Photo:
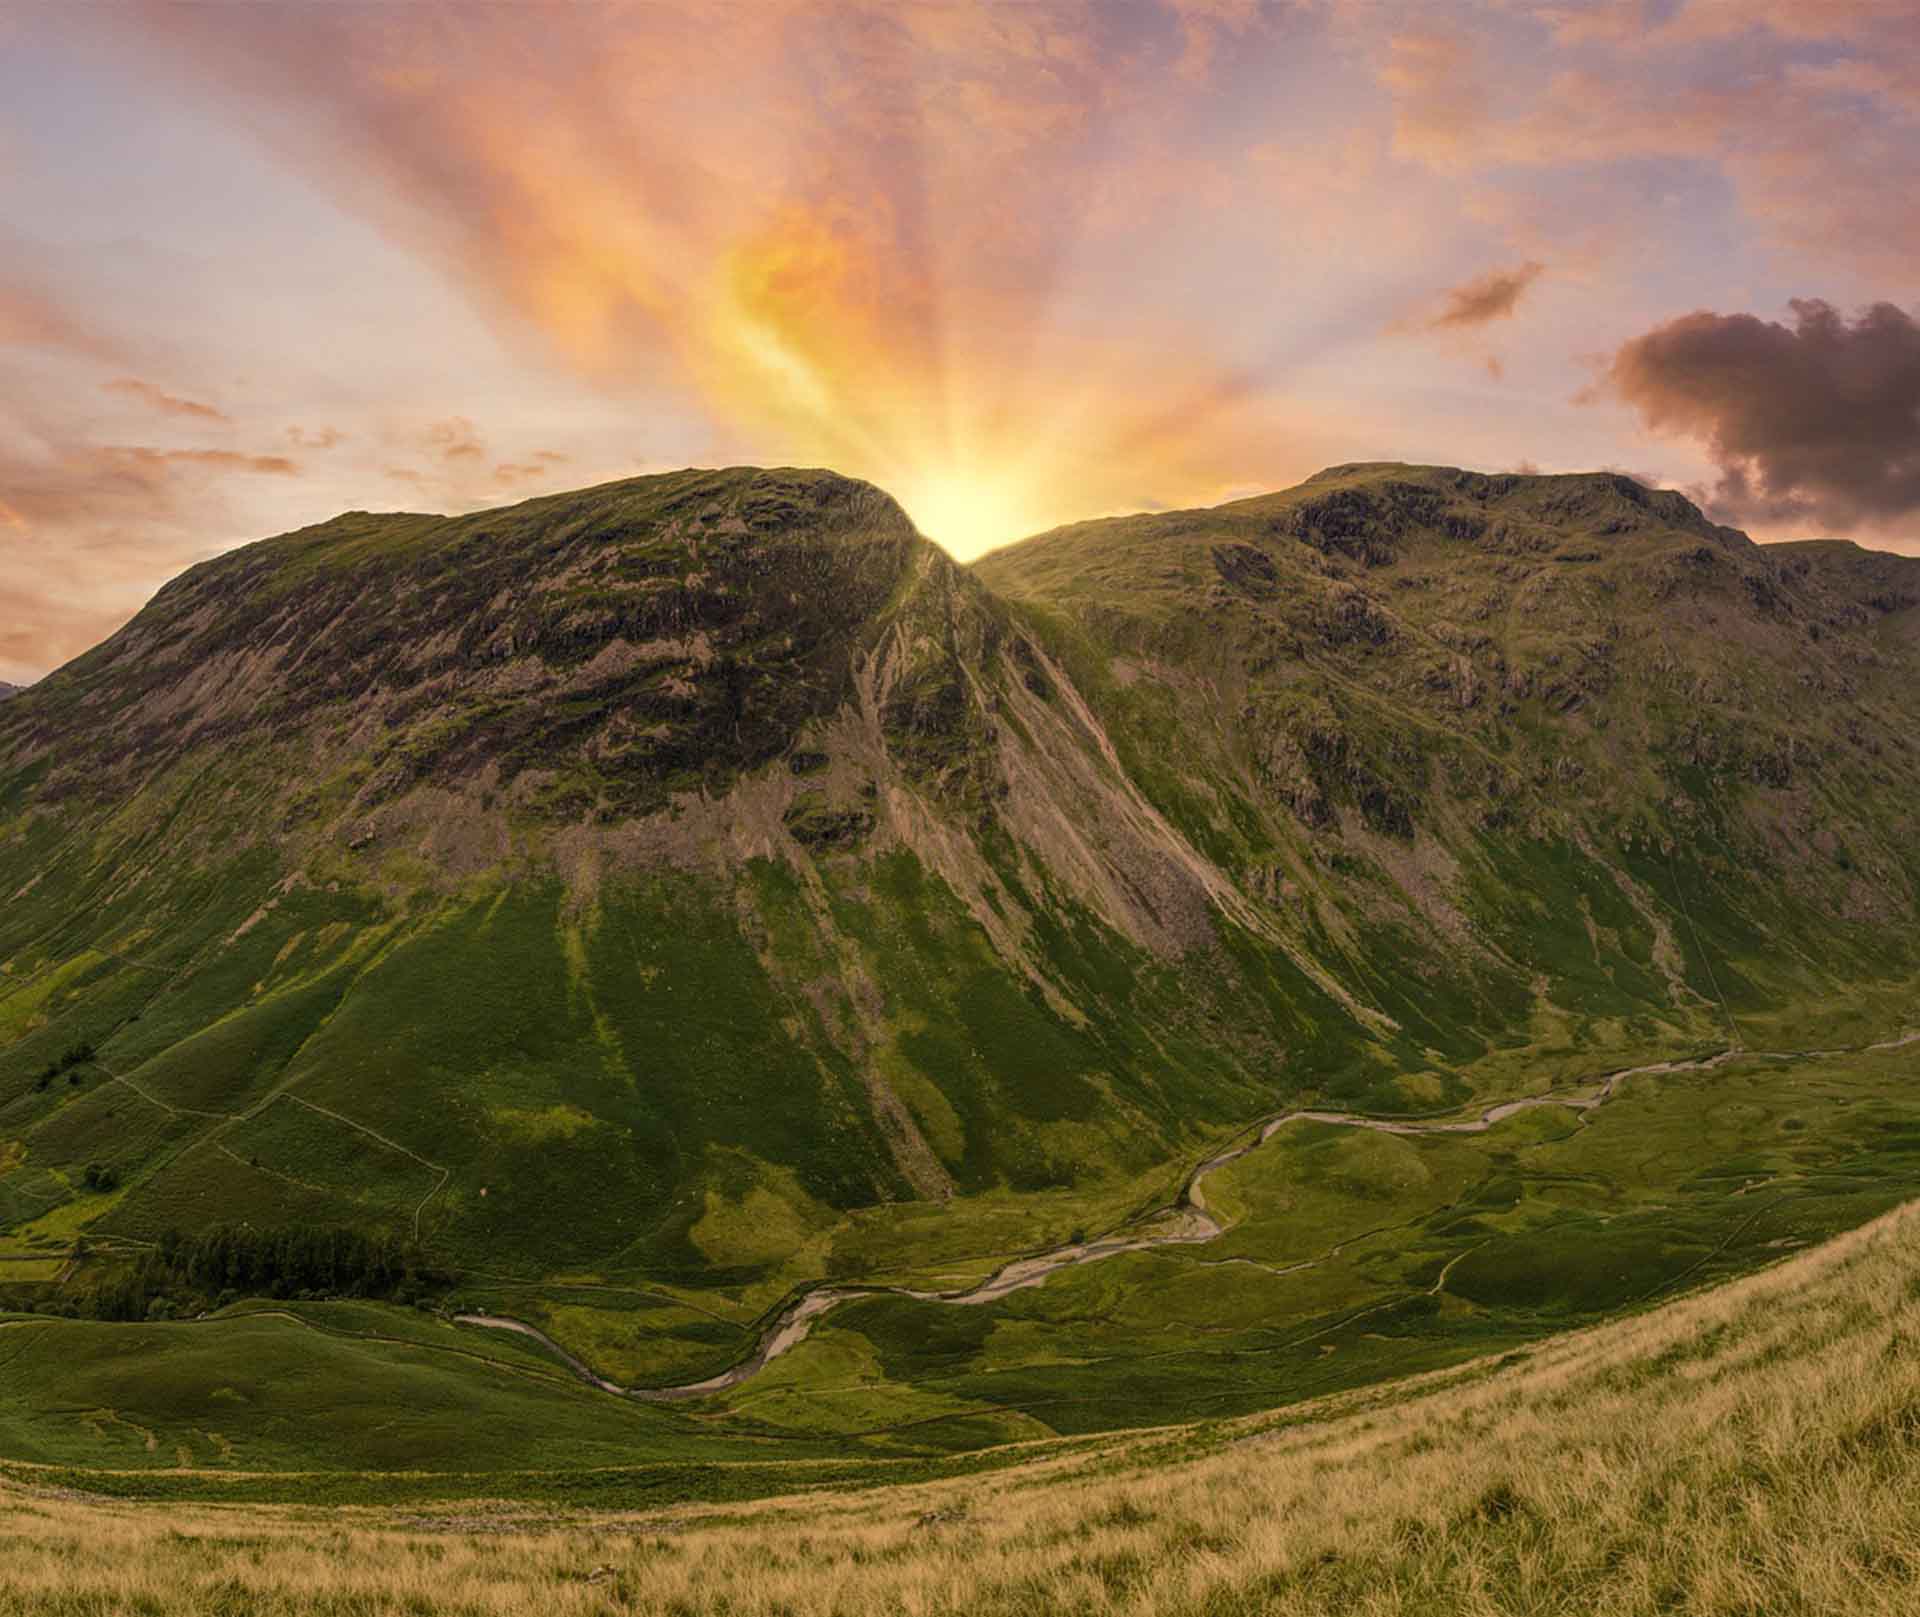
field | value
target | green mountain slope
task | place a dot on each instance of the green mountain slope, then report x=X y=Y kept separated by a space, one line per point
x=1559 y=729
x=655 y=898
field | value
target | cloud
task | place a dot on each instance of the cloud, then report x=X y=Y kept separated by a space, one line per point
x=42 y=629
x=456 y=438
x=1206 y=25
x=1611 y=22
x=508 y=473
x=316 y=438
x=32 y=317
x=87 y=530
x=1438 y=81
x=1805 y=113
x=538 y=465
x=1790 y=19
x=1814 y=421
x=219 y=459
x=166 y=403
x=1486 y=298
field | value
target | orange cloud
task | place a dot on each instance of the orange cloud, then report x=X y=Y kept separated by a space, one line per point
x=508 y=473
x=166 y=403
x=42 y=629
x=1440 y=97
x=115 y=518
x=219 y=459
x=454 y=439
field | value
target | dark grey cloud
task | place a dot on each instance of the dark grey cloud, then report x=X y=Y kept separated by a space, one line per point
x=1817 y=421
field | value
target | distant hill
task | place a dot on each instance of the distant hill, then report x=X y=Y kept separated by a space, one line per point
x=702 y=877
x=7 y=690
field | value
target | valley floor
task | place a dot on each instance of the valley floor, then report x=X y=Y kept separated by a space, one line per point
x=1745 y=1450
x=1345 y=1252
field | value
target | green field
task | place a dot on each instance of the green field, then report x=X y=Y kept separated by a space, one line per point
x=1418 y=1252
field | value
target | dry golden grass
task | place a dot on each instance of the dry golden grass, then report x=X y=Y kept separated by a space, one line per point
x=1753 y=1450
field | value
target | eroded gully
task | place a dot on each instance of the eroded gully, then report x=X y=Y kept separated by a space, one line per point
x=1188 y=1222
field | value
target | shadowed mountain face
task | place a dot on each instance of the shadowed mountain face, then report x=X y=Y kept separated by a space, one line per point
x=696 y=875
x=7 y=690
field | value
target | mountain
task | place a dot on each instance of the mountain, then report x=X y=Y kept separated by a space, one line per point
x=7 y=690
x=1412 y=663
x=702 y=885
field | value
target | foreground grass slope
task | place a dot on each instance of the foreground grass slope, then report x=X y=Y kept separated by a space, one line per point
x=1750 y=1449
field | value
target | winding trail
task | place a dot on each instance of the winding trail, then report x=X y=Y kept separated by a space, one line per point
x=1187 y=1222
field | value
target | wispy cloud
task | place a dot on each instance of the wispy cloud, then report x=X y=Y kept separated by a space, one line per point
x=33 y=317
x=1486 y=298
x=454 y=439
x=166 y=403
x=88 y=530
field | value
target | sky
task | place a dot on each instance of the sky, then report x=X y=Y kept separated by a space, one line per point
x=1020 y=264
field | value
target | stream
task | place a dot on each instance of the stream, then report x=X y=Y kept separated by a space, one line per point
x=1188 y=1222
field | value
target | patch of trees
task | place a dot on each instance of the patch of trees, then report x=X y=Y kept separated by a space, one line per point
x=69 y=1064
x=187 y=1273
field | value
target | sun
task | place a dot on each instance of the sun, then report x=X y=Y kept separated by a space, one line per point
x=967 y=514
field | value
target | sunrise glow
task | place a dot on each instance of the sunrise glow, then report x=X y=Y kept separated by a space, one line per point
x=1018 y=265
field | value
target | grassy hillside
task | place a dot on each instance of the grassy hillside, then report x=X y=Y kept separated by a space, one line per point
x=1348 y=1256
x=634 y=908
x=1749 y=1449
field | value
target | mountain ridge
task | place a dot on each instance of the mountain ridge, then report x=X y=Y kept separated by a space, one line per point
x=704 y=883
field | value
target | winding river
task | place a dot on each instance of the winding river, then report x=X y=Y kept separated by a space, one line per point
x=1187 y=1222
